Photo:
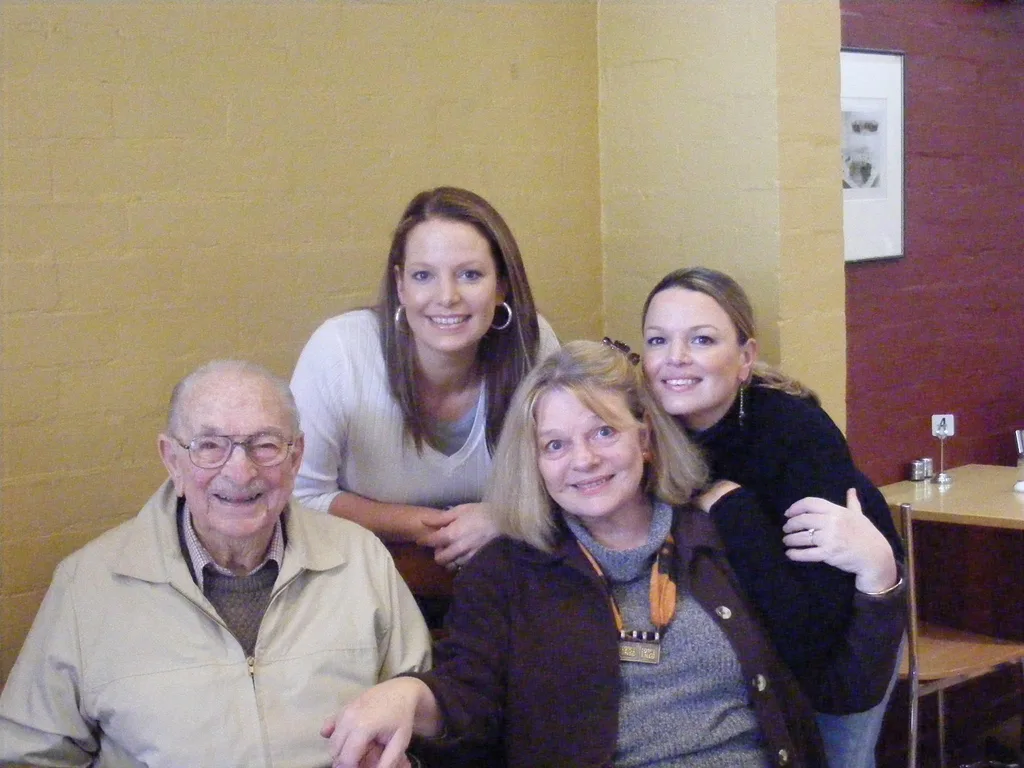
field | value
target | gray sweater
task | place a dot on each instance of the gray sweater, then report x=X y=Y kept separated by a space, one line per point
x=691 y=709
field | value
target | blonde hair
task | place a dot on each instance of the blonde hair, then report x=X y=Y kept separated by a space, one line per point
x=731 y=297
x=516 y=494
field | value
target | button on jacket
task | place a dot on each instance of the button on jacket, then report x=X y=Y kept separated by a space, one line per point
x=531 y=668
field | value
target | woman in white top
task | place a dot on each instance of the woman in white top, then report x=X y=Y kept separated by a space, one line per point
x=402 y=404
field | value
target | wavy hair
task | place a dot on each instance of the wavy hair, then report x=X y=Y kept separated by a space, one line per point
x=504 y=356
x=520 y=503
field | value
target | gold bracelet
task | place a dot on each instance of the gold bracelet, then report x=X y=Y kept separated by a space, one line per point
x=884 y=592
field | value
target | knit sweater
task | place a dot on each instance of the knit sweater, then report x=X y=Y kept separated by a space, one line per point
x=692 y=707
x=530 y=668
x=787 y=448
x=241 y=601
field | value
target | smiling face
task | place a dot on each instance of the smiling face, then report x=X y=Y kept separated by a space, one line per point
x=233 y=507
x=692 y=356
x=593 y=469
x=449 y=287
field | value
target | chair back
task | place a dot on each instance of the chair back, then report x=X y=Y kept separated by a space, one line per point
x=943 y=656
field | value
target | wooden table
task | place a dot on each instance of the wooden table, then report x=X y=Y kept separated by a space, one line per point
x=980 y=494
x=969 y=543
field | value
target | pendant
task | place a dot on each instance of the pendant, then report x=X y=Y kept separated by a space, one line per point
x=640 y=647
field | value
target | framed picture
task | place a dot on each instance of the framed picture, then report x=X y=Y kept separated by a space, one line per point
x=871 y=96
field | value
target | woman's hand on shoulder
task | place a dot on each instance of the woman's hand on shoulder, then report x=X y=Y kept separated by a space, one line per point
x=458 y=533
x=707 y=499
x=819 y=531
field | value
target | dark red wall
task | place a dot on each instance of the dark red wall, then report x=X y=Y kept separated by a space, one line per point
x=942 y=329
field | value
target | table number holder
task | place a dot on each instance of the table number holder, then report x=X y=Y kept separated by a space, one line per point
x=943 y=478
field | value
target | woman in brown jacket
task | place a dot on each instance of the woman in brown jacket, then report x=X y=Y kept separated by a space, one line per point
x=606 y=627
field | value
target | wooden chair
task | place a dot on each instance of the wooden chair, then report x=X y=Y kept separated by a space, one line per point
x=424 y=577
x=938 y=658
x=429 y=583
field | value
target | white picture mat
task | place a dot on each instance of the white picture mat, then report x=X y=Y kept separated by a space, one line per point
x=871 y=89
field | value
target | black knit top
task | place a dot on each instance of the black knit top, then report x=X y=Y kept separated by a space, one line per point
x=787 y=448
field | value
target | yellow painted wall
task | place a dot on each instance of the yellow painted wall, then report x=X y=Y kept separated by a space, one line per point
x=189 y=180
x=719 y=145
x=811 y=275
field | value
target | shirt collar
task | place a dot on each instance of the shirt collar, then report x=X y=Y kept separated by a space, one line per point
x=201 y=558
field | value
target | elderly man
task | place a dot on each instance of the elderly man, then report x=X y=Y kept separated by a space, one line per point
x=221 y=625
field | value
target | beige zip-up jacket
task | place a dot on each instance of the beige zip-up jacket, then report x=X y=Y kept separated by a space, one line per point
x=128 y=664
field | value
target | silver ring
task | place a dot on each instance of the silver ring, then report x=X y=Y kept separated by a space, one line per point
x=811 y=539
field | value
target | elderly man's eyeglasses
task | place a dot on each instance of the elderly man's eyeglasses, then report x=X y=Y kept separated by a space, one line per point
x=265 y=449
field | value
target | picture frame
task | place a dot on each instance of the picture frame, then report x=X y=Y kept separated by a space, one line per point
x=871 y=145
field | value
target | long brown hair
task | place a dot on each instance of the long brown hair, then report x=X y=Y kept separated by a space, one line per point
x=504 y=356
x=731 y=297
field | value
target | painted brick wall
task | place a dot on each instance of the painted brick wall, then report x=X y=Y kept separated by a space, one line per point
x=719 y=135
x=189 y=180
x=942 y=330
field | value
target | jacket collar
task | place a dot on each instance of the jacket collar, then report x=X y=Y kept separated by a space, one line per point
x=692 y=527
x=564 y=551
x=694 y=530
x=152 y=551
x=304 y=549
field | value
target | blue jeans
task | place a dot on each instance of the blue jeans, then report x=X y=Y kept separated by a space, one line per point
x=850 y=739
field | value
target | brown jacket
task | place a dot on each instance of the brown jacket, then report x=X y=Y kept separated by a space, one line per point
x=530 y=666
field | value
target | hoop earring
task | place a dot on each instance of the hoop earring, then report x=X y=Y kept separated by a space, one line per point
x=508 y=320
x=398 y=317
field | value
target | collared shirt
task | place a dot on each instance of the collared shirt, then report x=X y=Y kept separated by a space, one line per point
x=200 y=557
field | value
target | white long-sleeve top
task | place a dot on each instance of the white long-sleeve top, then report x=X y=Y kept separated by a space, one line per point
x=353 y=428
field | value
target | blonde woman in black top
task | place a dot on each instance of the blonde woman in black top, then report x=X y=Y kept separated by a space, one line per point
x=764 y=431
